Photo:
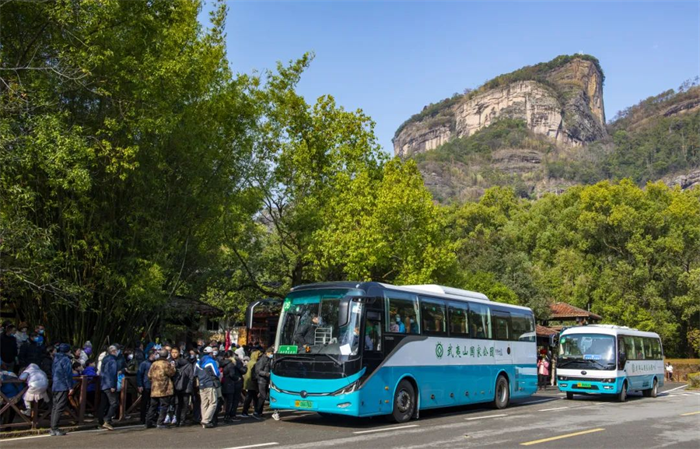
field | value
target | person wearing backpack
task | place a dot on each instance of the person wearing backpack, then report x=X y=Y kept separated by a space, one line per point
x=250 y=383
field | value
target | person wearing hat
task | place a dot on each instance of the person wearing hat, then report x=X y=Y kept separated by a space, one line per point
x=207 y=371
x=62 y=385
x=110 y=397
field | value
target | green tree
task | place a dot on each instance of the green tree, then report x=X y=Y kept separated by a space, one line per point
x=384 y=229
x=124 y=136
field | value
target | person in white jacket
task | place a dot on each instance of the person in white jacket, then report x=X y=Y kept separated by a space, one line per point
x=38 y=383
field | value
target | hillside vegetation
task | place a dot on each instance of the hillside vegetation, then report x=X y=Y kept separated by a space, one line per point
x=656 y=138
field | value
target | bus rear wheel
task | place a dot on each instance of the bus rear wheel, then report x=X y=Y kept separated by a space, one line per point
x=653 y=391
x=502 y=398
x=622 y=395
x=404 y=402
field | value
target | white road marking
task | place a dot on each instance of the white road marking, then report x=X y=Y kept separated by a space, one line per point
x=674 y=389
x=485 y=417
x=385 y=429
x=254 y=445
x=550 y=409
x=10 y=440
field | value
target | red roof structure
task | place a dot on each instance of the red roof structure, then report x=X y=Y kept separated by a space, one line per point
x=561 y=311
x=544 y=331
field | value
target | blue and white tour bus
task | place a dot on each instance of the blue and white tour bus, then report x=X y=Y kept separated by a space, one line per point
x=607 y=359
x=367 y=349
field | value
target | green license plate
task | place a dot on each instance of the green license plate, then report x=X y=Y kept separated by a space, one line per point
x=303 y=404
x=287 y=349
x=583 y=385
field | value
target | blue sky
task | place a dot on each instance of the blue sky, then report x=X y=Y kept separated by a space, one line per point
x=391 y=58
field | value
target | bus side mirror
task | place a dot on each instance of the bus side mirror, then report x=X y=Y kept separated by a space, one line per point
x=344 y=312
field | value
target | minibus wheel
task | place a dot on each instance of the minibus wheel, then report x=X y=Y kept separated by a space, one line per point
x=622 y=395
x=569 y=395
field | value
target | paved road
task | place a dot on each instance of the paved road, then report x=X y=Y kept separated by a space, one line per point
x=544 y=420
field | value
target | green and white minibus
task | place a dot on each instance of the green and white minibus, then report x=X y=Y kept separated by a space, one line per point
x=607 y=359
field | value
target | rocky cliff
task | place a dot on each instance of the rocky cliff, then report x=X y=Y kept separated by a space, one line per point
x=561 y=99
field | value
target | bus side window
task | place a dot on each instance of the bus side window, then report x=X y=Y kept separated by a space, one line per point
x=621 y=353
x=458 y=320
x=402 y=313
x=639 y=348
x=630 y=349
x=480 y=320
x=656 y=344
x=501 y=325
x=648 y=351
x=433 y=314
x=523 y=328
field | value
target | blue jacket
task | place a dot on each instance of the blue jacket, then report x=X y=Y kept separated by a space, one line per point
x=208 y=372
x=142 y=379
x=90 y=372
x=109 y=372
x=62 y=373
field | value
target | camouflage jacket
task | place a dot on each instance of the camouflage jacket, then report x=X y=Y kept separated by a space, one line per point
x=161 y=374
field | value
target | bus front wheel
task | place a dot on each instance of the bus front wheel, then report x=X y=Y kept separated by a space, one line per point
x=502 y=397
x=404 y=402
x=569 y=395
x=622 y=395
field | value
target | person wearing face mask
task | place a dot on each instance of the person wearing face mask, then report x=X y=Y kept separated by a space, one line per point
x=162 y=390
x=262 y=372
x=414 y=326
x=40 y=332
x=62 y=386
x=8 y=347
x=143 y=385
x=21 y=336
x=207 y=371
x=232 y=386
x=110 y=397
x=30 y=352
x=182 y=381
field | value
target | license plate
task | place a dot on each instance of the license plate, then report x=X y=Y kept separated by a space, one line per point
x=583 y=385
x=303 y=404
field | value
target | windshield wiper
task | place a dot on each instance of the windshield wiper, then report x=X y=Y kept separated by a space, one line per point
x=605 y=367
x=563 y=363
x=292 y=357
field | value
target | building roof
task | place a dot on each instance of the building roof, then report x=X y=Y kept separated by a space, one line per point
x=563 y=311
x=186 y=306
x=544 y=331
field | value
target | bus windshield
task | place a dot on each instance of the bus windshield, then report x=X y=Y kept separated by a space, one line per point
x=594 y=351
x=315 y=322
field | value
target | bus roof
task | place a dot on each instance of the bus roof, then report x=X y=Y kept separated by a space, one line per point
x=608 y=329
x=435 y=290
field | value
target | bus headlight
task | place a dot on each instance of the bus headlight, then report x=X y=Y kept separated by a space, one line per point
x=347 y=390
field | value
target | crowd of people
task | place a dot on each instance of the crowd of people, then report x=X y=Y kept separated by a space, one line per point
x=179 y=384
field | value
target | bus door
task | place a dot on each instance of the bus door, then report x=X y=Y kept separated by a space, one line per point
x=373 y=354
